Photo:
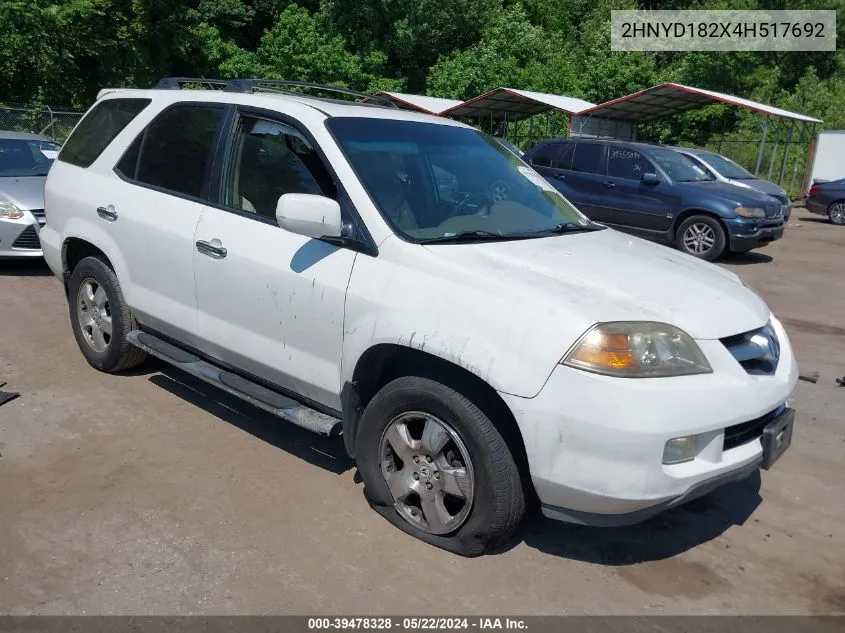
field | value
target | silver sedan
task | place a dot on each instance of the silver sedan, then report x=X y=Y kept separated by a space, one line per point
x=24 y=161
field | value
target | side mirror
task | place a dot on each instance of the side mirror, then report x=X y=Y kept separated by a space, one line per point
x=309 y=215
x=650 y=179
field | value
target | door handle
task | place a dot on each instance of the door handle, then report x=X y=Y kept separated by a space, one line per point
x=212 y=250
x=107 y=213
x=559 y=177
x=609 y=185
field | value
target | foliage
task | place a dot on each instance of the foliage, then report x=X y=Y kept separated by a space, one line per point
x=62 y=52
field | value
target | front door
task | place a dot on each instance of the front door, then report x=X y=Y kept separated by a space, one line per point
x=271 y=302
x=632 y=203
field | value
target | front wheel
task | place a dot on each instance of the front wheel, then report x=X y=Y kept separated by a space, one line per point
x=701 y=236
x=435 y=466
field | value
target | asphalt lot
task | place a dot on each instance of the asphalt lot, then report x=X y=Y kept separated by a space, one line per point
x=150 y=493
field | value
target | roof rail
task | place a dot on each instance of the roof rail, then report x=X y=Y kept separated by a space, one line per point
x=175 y=83
x=297 y=88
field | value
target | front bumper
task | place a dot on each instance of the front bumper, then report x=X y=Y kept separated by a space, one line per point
x=753 y=237
x=595 y=443
x=19 y=238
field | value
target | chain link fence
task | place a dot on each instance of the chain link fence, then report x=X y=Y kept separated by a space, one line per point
x=54 y=123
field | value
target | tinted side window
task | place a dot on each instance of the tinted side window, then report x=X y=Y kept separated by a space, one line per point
x=98 y=128
x=545 y=155
x=128 y=164
x=564 y=158
x=624 y=162
x=587 y=158
x=177 y=148
x=267 y=160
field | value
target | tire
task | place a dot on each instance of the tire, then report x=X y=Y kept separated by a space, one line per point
x=491 y=489
x=102 y=303
x=701 y=236
x=836 y=213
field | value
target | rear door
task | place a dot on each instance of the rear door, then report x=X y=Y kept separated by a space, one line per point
x=153 y=213
x=586 y=176
x=629 y=201
x=553 y=160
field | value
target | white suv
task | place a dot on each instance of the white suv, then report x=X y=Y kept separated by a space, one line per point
x=408 y=282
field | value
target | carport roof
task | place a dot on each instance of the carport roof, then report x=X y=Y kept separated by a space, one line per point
x=422 y=103
x=516 y=104
x=669 y=98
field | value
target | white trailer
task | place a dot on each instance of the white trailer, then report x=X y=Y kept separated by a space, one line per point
x=826 y=158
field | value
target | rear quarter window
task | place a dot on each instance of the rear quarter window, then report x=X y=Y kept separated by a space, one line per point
x=99 y=128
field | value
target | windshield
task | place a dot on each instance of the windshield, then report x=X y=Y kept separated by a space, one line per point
x=726 y=167
x=678 y=167
x=433 y=181
x=26 y=157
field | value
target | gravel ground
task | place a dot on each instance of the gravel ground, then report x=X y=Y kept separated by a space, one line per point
x=150 y=493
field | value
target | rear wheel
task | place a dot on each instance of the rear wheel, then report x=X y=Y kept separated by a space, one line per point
x=435 y=466
x=100 y=317
x=701 y=236
x=836 y=213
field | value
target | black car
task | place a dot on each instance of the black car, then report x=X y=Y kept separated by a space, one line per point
x=828 y=198
x=658 y=193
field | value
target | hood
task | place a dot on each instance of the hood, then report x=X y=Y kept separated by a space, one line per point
x=26 y=192
x=744 y=196
x=763 y=186
x=609 y=276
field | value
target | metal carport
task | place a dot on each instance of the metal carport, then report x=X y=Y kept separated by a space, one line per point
x=508 y=106
x=619 y=118
x=420 y=103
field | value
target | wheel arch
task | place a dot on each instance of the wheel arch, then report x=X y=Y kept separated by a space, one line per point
x=74 y=250
x=688 y=213
x=385 y=362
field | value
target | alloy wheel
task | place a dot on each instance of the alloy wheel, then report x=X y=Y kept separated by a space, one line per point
x=699 y=238
x=428 y=471
x=837 y=213
x=94 y=314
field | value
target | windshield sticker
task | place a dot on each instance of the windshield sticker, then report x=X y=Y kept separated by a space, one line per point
x=535 y=178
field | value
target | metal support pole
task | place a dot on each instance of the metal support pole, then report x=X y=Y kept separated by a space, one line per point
x=774 y=151
x=786 y=150
x=762 y=146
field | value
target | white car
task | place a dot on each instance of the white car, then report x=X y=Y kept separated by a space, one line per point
x=473 y=352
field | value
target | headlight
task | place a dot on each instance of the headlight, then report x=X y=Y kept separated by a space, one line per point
x=750 y=212
x=9 y=211
x=637 y=349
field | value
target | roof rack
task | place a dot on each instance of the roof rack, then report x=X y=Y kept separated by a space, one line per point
x=175 y=83
x=283 y=86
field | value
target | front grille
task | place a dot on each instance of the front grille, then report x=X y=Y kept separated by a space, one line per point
x=773 y=209
x=38 y=213
x=740 y=434
x=783 y=199
x=28 y=239
x=757 y=351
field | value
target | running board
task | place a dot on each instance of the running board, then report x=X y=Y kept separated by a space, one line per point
x=286 y=408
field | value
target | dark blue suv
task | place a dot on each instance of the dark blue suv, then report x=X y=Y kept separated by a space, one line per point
x=658 y=193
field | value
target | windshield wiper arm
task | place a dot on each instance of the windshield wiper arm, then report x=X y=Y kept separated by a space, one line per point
x=569 y=227
x=468 y=236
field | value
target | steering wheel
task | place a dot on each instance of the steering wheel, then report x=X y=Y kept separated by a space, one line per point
x=481 y=199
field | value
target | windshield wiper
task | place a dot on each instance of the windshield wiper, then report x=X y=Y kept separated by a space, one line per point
x=568 y=227
x=468 y=236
